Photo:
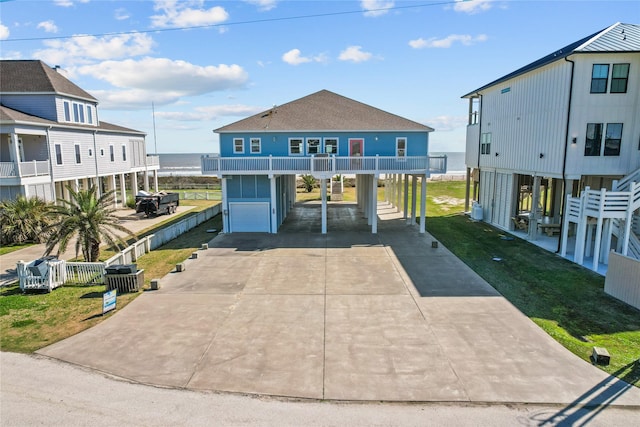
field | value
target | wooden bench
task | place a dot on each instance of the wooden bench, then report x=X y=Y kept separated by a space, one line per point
x=550 y=229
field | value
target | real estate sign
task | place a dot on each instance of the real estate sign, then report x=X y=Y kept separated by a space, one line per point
x=109 y=301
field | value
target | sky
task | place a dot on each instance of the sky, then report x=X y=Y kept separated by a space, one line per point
x=193 y=66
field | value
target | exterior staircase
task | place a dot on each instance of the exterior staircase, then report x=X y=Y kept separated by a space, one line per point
x=608 y=213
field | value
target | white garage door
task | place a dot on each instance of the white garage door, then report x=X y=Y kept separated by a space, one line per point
x=249 y=217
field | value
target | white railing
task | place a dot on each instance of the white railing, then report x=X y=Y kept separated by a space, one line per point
x=168 y=233
x=322 y=165
x=131 y=254
x=200 y=195
x=24 y=169
x=153 y=160
x=574 y=208
x=625 y=183
x=52 y=276
x=611 y=204
x=85 y=272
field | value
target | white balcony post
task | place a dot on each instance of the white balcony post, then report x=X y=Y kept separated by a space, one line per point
x=113 y=188
x=323 y=195
x=377 y=165
x=225 y=207
x=414 y=198
x=123 y=190
x=270 y=163
x=274 y=204
x=398 y=192
x=406 y=199
x=155 y=180
x=374 y=203
x=134 y=183
x=423 y=203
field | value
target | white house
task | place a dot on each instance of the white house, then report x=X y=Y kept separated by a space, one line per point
x=554 y=146
x=51 y=136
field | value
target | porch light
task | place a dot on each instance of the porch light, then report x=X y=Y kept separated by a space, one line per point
x=574 y=140
x=541 y=155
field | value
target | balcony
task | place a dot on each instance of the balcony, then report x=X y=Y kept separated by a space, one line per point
x=323 y=166
x=24 y=169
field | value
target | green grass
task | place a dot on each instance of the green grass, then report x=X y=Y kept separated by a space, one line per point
x=33 y=320
x=12 y=248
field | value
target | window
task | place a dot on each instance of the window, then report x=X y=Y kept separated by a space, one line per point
x=77 y=149
x=58 y=154
x=313 y=146
x=124 y=153
x=619 y=78
x=331 y=145
x=112 y=155
x=599 y=78
x=295 y=145
x=67 y=111
x=238 y=145
x=76 y=112
x=89 y=115
x=401 y=147
x=593 y=139
x=485 y=143
x=612 y=139
x=256 y=146
x=81 y=111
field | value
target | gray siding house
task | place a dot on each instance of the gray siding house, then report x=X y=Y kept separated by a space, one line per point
x=51 y=137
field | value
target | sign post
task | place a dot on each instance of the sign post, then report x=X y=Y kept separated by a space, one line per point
x=109 y=301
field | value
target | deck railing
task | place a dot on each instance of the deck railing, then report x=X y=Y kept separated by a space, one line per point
x=24 y=169
x=321 y=165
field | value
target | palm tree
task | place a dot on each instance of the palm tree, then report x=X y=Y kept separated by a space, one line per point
x=23 y=220
x=309 y=182
x=89 y=218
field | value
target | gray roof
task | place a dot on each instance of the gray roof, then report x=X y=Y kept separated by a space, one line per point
x=33 y=76
x=618 y=37
x=324 y=111
x=9 y=115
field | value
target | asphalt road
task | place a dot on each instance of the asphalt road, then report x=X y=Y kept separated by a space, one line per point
x=39 y=391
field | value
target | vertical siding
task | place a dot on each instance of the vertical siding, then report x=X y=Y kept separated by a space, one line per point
x=471 y=152
x=623 y=279
x=526 y=116
x=487 y=179
x=605 y=108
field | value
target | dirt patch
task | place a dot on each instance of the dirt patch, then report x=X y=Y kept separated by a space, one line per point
x=446 y=200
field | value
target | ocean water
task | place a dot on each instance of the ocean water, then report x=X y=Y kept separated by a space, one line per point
x=188 y=164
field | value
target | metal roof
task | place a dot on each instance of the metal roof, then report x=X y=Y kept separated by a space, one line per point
x=618 y=37
x=34 y=76
x=324 y=111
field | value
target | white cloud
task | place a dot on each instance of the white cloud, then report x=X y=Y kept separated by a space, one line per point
x=294 y=57
x=448 y=41
x=355 y=54
x=473 y=6
x=186 y=14
x=210 y=113
x=263 y=5
x=4 y=32
x=376 y=7
x=67 y=3
x=48 y=26
x=447 y=123
x=80 y=50
x=121 y=14
x=160 y=80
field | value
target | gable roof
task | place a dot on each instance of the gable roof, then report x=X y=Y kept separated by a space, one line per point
x=324 y=111
x=9 y=115
x=34 y=76
x=618 y=37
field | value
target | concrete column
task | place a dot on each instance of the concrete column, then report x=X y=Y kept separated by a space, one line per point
x=274 y=204
x=155 y=181
x=146 y=181
x=467 y=189
x=535 y=215
x=414 y=198
x=423 y=203
x=405 y=211
x=225 y=207
x=374 y=204
x=115 y=195
x=76 y=185
x=398 y=192
x=134 y=183
x=323 y=196
x=123 y=190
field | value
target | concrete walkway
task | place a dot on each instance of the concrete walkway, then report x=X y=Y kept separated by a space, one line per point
x=128 y=218
x=345 y=316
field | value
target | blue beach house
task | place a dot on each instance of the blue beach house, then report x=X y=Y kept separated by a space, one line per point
x=323 y=134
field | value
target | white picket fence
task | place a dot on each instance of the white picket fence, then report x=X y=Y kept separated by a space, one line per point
x=59 y=272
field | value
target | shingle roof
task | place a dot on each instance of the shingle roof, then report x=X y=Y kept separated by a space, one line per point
x=618 y=37
x=33 y=76
x=324 y=111
x=14 y=116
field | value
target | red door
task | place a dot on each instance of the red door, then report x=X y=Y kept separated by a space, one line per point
x=356 y=147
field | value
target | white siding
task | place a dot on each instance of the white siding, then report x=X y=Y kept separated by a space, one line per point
x=497 y=195
x=471 y=152
x=526 y=116
x=605 y=108
x=487 y=180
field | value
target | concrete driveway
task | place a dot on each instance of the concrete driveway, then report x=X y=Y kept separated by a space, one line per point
x=346 y=316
